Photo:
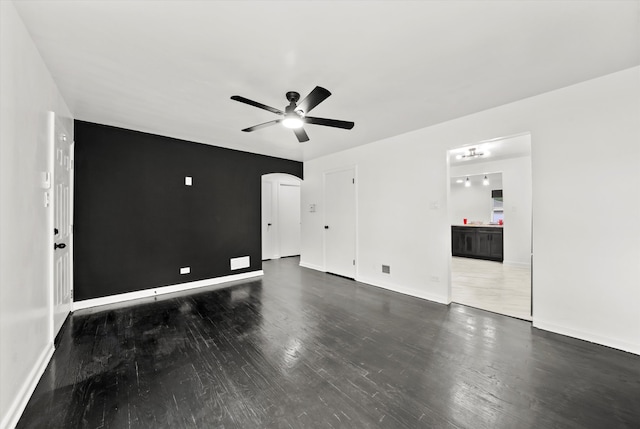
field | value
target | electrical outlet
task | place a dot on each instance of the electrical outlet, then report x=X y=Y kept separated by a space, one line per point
x=386 y=269
x=435 y=279
x=185 y=270
x=188 y=180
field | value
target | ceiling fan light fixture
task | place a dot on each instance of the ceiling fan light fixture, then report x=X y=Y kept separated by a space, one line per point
x=295 y=114
x=292 y=122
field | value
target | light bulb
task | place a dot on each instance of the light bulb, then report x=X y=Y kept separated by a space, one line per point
x=292 y=122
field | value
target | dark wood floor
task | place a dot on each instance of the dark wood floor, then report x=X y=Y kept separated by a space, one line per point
x=304 y=349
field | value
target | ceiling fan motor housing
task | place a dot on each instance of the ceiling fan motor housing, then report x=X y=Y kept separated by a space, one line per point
x=291 y=109
x=293 y=97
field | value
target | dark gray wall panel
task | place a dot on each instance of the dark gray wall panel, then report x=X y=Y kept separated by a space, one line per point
x=136 y=223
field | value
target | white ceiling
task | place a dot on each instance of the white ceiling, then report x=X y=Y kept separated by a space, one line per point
x=170 y=67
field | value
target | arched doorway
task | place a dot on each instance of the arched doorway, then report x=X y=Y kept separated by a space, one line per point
x=280 y=215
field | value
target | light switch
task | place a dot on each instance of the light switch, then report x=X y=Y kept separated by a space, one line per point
x=185 y=270
x=45 y=180
x=188 y=180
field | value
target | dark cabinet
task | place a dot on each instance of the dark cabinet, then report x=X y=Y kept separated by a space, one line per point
x=477 y=242
x=463 y=241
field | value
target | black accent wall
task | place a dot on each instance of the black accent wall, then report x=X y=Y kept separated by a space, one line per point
x=136 y=223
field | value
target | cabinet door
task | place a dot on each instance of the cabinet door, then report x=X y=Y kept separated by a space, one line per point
x=483 y=243
x=496 y=250
x=462 y=241
x=457 y=242
x=489 y=244
x=469 y=237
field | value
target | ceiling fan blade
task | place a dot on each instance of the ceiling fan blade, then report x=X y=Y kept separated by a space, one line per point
x=315 y=97
x=256 y=104
x=328 y=122
x=301 y=134
x=260 y=126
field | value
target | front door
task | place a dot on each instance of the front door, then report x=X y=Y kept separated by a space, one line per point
x=340 y=223
x=62 y=232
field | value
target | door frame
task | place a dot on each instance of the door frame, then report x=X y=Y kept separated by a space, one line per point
x=448 y=196
x=354 y=168
x=276 y=180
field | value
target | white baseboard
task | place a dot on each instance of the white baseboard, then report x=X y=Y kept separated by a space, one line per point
x=312 y=266
x=517 y=264
x=79 y=305
x=587 y=336
x=21 y=399
x=392 y=287
x=406 y=291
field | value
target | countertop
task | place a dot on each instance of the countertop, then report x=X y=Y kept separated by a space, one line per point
x=486 y=225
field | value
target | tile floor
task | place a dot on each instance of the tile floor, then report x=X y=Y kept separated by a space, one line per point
x=492 y=286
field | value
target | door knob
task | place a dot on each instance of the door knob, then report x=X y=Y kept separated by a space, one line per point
x=59 y=246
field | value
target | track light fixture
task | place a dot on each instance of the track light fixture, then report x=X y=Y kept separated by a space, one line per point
x=471 y=154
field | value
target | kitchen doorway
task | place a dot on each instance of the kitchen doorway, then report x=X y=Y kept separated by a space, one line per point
x=489 y=200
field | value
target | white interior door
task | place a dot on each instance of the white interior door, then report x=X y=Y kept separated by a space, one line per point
x=340 y=222
x=289 y=219
x=62 y=218
x=267 y=220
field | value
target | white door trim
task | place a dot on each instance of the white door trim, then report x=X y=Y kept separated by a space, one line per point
x=50 y=239
x=72 y=182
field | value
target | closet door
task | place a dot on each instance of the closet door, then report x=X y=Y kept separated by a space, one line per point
x=340 y=222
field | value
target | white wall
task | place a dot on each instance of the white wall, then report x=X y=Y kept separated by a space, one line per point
x=395 y=195
x=27 y=92
x=517 y=194
x=586 y=269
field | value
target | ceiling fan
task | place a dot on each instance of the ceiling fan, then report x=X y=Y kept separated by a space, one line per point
x=295 y=115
